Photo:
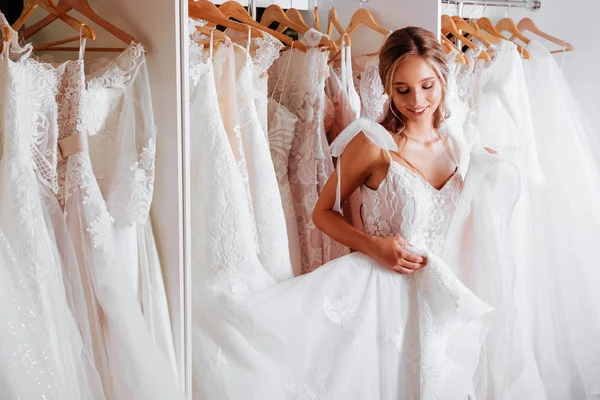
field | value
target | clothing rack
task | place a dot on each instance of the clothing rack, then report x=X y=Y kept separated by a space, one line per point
x=532 y=5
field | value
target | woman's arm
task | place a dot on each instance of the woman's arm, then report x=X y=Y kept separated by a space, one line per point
x=360 y=160
x=357 y=163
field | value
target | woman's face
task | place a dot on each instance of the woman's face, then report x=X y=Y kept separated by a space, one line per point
x=417 y=91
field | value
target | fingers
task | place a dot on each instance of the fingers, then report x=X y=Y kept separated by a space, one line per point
x=406 y=267
x=403 y=271
x=491 y=151
x=402 y=241
x=411 y=265
x=412 y=257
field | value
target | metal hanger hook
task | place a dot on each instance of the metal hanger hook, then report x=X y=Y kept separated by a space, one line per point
x=506 y=12
x=483 y=12
x=472 y=11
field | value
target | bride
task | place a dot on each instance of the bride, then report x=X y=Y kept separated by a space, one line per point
x=391 y=320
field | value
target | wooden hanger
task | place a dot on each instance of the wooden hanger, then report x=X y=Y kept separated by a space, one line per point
x=527 y=24
x=30 y=6
x=233 y=9
x=485 y=38
x=207 y=11
x=294 y=16
x=449 y=47
x=333 y=21
x=486 y=24
x=508 y=25
x=83 y=7
x=363 y=17
x=345 y=40
x=275 y=13
x=317 y=20
x=6 y=33
x=448 y=26
x=217 y=35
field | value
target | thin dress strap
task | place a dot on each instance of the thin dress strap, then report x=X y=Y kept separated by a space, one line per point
x=453 y=151
x=82 y=41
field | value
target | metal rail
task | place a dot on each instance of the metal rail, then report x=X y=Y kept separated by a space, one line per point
x=529 y=4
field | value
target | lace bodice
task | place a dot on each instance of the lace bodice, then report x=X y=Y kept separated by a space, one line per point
x=369 y=86
x=281 y=135
x=309 y=165
x=406 y=205
x=264 y=51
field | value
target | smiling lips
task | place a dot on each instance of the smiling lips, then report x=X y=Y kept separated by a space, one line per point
x=418 y=111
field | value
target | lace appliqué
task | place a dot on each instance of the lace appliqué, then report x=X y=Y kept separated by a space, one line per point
x=310 y=164
x=142 y=185
x=304 y=392
x=411 y=350
x=218 y=362
x=343 y=313
x=40 y=92
x=105 y=111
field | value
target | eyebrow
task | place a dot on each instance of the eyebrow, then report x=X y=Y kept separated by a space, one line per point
x=431 y=78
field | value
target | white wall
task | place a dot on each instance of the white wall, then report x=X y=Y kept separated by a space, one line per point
x=574 y=21
x=391 y=14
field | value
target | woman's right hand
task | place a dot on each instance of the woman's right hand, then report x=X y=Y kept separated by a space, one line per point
x=392 y=254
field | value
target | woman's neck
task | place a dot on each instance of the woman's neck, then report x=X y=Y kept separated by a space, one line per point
x=422 y=131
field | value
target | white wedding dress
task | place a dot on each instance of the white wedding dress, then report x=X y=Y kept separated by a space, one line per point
x=225 y=261
x=369 y=87
x=282 y=125
x=51 y=336
x=351 y=329
x=273 y=251
x=310 y=165
x=566 y=227
x=119 y=121
x=500 y=119
x=134 y=367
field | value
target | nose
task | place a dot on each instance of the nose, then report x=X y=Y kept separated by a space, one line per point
x=417 y=97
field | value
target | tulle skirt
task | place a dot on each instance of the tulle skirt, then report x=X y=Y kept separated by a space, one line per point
x=349 y=330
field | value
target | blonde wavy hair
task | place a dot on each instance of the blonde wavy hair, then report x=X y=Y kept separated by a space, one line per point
x=399 y=46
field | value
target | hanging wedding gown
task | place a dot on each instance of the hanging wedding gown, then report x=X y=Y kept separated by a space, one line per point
x=501 y=120
x=310 y=164
x=369 y=87
x=350 y=329
x=274 y=252
x=347 y=110
x=27 y=369
x=566 y=227
x=225 y=264
x=29 y=128
x=118 y=118
x=282 y=125
x=134 y=369
x=341 y=90
x=225 y=80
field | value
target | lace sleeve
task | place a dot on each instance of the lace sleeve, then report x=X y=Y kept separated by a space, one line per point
x=119 y=120
x=267 y=52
